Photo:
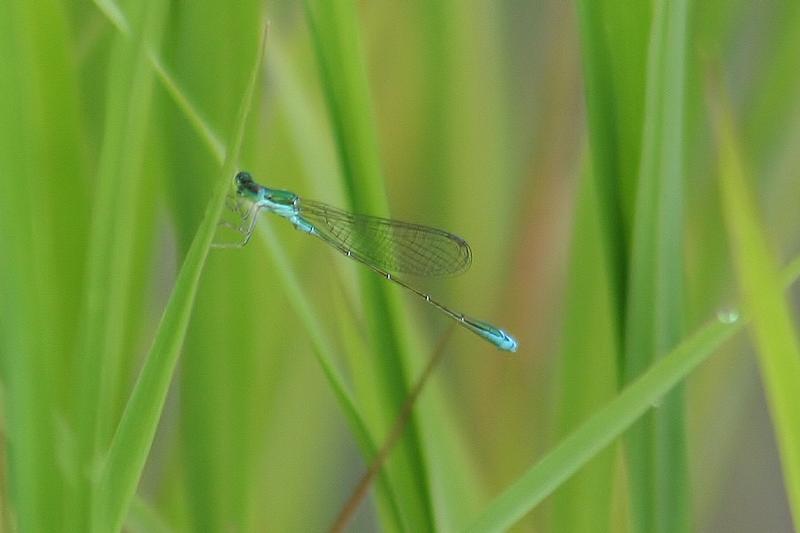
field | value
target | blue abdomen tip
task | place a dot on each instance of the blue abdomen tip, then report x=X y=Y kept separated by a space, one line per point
x=507 y=342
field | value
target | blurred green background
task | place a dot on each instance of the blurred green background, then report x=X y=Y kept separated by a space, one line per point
x=570 y=143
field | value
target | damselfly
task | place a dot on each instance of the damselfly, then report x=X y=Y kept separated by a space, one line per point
x=385 y=246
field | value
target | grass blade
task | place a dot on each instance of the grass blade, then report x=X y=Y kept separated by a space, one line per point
x=656 y=447
x=610 y=421
x=588 y=371
x=296 y=297
x=126 y=457
x=113 y=257
x=381 y=382
x=40 y=277
x=772 y=327
x=601 y=429
x=614 y=121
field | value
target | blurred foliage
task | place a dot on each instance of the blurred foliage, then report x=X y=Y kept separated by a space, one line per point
x=570 y=143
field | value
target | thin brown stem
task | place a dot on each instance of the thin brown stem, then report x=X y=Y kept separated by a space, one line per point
x=360 y=492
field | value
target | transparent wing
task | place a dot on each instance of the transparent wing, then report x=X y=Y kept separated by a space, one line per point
x=391 y=245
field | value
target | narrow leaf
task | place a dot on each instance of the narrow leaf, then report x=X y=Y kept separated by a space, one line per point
x=773 y=327
x=610 y=421
x=129 y=449
x=656 y=448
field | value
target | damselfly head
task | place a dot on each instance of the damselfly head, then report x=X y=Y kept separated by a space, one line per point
x=245 y=186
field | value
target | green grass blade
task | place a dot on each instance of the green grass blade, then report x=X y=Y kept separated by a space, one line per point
x=608 y=31
x=39 y=280
x=215 y=146
x=113 y=256
x=226 y=388
x=322 y=343
x=610 y=421
x=603 y=142
x=129 y=449
x=588 y=371
x=380 y=382
x=772 y=327
x=296 y=297
x=601 y=429
x=334 y=28
x=656 y=447
x=306 y=129
x=119 y=188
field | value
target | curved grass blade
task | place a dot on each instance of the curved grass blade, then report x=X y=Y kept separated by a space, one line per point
x=295 y=293
x=126 y=457
x=114 y=252
x=773 y=330
x=379 y=381
x=609 y=422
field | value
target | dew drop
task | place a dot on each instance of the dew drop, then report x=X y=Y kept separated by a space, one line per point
x=728 y=315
